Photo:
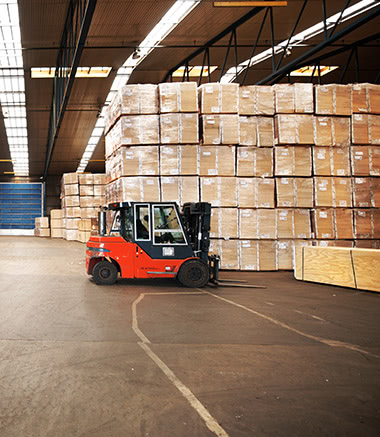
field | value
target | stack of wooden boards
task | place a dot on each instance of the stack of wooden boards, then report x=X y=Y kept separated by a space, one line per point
x=283 y=166
x=347 y=267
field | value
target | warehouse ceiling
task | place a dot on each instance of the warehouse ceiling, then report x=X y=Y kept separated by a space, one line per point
x=117 y=27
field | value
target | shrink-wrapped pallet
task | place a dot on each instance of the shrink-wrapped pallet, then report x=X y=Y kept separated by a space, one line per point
x=55 y=214
x=99 y=179
x=362 y=190
x=86 y=190
x=267 y=251
x=56 y=233
x=69 y=178
x=178 y=97
x=323 y=191
x=293 y=161
x=365 y=129
x=189 y=189
x=56 y=223
x=179 y=128
x=41 y=222
x=294 y=129
x=256 y=100
x=220 y=129
x=342 y=192
x=332 y=131
x=224 y=223
x=228 y=250
x=285 y=98
x=99 y=190
x=219 y=191
x=374 y=161
x=133 y=130
x=366 y=98
x=258 y=255
x=324 y=224
x=363 y=219
x=302 y=223
x=303 y=98
x=247 y=223
x=217 y=161
x=42 y=232
x=70 y=190
x=70 y=201
x=258 y=224
x=133 y=189
x=219 y=98
x=89 y=212
x=333 y=192
x=248 y=131
x=73 y=212
x=133 y=161
x=71 y=234
x=72 y=223
x=294 y=192
x=255 y=161
x=265 y=132
x=285 y=223
x=331 y=161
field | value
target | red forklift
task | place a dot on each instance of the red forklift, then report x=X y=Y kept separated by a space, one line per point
x=153 y=240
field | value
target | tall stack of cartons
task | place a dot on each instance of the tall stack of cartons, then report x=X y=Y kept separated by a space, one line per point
x=282 y=165
x=81 y=197
x=42 y=228
x=56 y=223
x=132 y=139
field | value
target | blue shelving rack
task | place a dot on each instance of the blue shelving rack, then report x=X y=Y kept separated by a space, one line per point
x=20 y=204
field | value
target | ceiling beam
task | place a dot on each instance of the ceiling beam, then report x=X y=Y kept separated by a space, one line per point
x=77 y=25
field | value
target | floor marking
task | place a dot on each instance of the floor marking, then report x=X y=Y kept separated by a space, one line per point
x=269 y=303
x=332 y=343
x=195 y=403
x=310 y=315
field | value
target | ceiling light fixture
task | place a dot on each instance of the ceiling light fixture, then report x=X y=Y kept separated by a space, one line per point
x=311 y=32
x=12 y=87
x=82 y=72
x=179 y=10
x=313 y=71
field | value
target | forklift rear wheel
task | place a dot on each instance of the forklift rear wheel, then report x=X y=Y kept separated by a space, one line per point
x=104 y=273
x=194 y=274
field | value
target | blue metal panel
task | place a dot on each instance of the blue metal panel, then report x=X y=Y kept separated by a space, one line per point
x=20 y=204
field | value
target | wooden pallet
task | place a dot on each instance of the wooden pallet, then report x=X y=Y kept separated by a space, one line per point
x=343 y=266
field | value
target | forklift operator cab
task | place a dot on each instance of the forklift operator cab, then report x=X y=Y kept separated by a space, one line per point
x=146 y=240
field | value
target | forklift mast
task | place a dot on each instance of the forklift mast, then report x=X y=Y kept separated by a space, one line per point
x=196 y=220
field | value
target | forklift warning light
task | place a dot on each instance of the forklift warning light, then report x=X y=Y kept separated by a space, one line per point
x=168 y=251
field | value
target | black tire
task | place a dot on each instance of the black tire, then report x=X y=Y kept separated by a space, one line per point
x=104 y=273
x=194 y=274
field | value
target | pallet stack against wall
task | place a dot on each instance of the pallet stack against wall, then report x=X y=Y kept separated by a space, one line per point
x=283 y=166
x=81 y=197
x=41 y=228
x=56 y=223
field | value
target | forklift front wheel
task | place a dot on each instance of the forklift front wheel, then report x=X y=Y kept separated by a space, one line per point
x=104 y=273
x=194 y=273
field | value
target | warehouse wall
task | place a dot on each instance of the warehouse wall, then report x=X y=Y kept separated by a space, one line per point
x=283 y=166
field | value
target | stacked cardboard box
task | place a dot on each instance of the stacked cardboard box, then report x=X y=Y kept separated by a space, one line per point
x=56 y=223
x=283 y=166
x=81 y=197
x=41 y=228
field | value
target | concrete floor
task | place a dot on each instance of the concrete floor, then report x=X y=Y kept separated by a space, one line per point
x=295 y=359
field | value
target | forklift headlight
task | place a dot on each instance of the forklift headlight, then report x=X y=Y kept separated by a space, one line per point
x=168 y=251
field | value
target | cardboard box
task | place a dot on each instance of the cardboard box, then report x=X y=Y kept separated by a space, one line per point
x=264 y=193
x=88 y=213
x=331 y=161
x=342 y=192
x=374 y=163
x=359 y=98
x=267 y=255
x=360 y=129
x=363 y=219
x=86 y=179
x=255 y=161
x=72 y=223
x=294 y=192
x=302 y=223
x=170 y=189
x=179 y=128
x=374 y=128
x=342 y=99
x=344 y=223
x=229 y=254
x=42 y=232
x=70 y=201
x=304 y=98
x=220 y=129
x=99 y=178
x=56 y=223
x=56 y=233
x=285 y=98
x=70 y=190
x=178 y=97
x=83 y=236
x=217 y=161
x=133 y=161
x=248 y=254
x=219 y=191
x=176 y=160
x=362 y=192
x=323 y=190
x=293 y=161
x=224 y=223
x=375 y=192
x=341 y=131
x=86 y=190
x=256 y=100
x=85 y=225
x=373 y=96
x=248 y=223
x=323 y=131
x=255 y=193
x=41 y=222
x=285 y=255
x=333 y=99
x=99 y=190
x=258 y=224
x=217 y=98
x=55 y=214
x=285 y=223
x=189 y=189
x=70 y=234
x=294 y=129
x=324 y=224
x=133 y=189
x=69 y=178
x=248 y=131
x=265 y=132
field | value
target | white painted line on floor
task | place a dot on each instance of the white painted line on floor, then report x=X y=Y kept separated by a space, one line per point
x=332 y=343
x=269 y=303
x=310 y=315
x=195 y=403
